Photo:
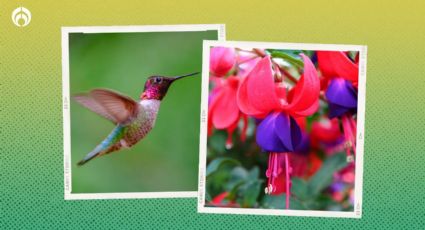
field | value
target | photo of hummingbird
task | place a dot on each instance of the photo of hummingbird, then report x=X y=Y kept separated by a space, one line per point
x=133 y=120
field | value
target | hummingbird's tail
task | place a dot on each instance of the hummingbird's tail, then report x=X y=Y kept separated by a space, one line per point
x=110 y=144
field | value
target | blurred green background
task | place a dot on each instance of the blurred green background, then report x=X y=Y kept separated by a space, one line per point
x=167 y=158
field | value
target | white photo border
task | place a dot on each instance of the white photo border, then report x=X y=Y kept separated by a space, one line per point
x=358 y=184
x=66 y=110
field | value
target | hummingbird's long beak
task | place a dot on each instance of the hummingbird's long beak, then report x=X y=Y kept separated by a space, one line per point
x=183 y=76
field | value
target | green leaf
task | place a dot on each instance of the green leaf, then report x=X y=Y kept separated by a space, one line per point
x=310 y=119
x=323 y=178
x=309 y=53
x=279 y=202
x=249 y=192
x=243 y=185
x=326 y=202
x=216 y=181
x=207 y=196
x=217 y=141
x=293 y=53
x=352 y=54
x=237 y=176
x=300 y=189
x=254 y=173
x=287 y=57
x=218 y=163
x=233 y=194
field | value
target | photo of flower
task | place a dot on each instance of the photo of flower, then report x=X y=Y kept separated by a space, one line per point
x=281 y=128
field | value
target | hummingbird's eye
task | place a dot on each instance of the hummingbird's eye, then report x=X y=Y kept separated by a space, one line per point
x=157 y=80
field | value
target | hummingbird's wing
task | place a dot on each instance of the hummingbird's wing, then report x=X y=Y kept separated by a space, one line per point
x=87 y=101
x=113 y=106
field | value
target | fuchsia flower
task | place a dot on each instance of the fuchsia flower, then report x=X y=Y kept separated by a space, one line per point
x=260 y=96
x=325 y=134
x=219 y=198
x=223 y=110
x=246 y=62
x=343 y=185
x=347 y=174
x=220 y=201
x=314 y=164
x=342 y=98
x=279 y=180
x=326 y=130
x=341 y=76
x=304 y=162
x=305 y=166
x=222 y=60
x=336 y=64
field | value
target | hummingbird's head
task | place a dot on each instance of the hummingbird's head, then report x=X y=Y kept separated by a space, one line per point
x=157 y=86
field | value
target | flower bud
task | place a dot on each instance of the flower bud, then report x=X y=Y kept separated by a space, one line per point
x=222 y=60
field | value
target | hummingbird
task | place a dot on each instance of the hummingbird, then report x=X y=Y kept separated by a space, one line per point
x=133 y=120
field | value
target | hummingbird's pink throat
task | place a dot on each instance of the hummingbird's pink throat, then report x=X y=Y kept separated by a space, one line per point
x=145 y=95
x=157 y=86
x=156 y=90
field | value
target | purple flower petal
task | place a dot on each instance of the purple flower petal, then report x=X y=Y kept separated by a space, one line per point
x=337 y=110
x=288 y=131
x=278 y=132
x=341 y=92
x=337 y=186
x=266 y=137
x=304 y=146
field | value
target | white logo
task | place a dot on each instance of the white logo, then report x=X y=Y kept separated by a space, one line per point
x=21 y=16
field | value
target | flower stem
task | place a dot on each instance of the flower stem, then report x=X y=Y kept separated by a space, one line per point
x=354 y=131
x=261 y=53
x=247 y=60
x=269 y=173
x=288 y=180
x=244 y=127
x=287 y=74
x=349 y=134
x=229 y=140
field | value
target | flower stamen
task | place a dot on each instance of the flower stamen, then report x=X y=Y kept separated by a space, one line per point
x=288 y=180
x=244 y=127
x=229 y=140
x=274 y=173
x=348 y=125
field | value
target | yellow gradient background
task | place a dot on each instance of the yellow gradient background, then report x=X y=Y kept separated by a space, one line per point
x=31 y=107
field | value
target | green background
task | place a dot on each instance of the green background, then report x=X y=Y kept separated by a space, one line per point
x=31 y=108
x=167 y=158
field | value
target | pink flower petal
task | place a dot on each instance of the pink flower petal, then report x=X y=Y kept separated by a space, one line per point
x=211 y=105
x=243 y=102
x=225 y=111
x=326 y=130
x=247 y=63
x=337 y=64
x=309 y=111
x=256 y=95
x=219 y=198
x=303 y=98
x=222 y=60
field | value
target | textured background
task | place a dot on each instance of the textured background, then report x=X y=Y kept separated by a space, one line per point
x=31 y=115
